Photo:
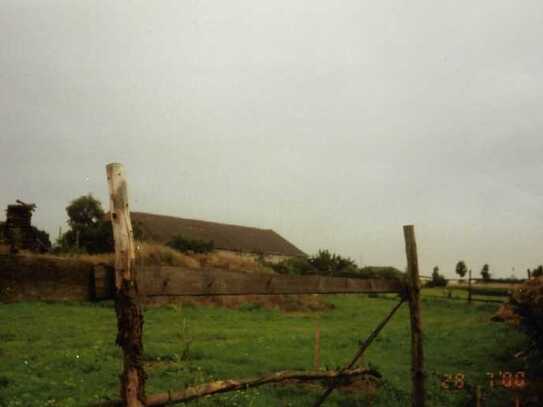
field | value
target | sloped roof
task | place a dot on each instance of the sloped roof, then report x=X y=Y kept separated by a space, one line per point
x=161 y=228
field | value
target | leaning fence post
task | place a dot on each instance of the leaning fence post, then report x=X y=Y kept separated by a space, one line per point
x=127 y=307
x=417 y=356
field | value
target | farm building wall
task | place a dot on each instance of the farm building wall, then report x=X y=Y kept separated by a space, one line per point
x=44 y=278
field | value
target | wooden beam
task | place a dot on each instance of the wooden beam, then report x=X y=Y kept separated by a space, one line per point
x=417 y=355
x=175 y=281
x=227 y=385
x=128 y=310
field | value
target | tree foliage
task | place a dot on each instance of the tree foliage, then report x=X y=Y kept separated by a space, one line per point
x=538 y=271
x=437 y=279
x=89 y=230
x=186 y=245
x=331 y=264
x=42 y=237
x=485 y=272
x=84 y=211
x=461 y=268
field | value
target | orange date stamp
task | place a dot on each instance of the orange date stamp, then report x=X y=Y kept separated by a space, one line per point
x=515 y=381
x=506 y=379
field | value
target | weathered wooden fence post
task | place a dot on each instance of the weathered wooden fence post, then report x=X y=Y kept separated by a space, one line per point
x=127 y=307
x=417 y=356
x=469 y=286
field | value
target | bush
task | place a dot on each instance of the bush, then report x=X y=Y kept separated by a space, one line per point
x=328 y=264
x=437 y=279
x=527 y=302
x=298 y=266
x=93 y=239
x=185 y=245
x=537 y=272
x=42 y=237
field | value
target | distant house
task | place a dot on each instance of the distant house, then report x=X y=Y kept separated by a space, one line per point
x=242 y=240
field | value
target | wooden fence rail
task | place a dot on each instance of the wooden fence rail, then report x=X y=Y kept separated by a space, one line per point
x=132 y=283
x=161 y=281
x=174 y=281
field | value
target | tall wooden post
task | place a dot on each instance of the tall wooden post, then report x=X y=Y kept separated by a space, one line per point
x=413 y=282
x=127 y=307
x=469 y=286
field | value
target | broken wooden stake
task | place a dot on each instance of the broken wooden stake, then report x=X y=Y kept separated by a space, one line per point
x=413 y=282
x=127 y=307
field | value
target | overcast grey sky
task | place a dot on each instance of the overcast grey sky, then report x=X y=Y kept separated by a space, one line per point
x=332 y=122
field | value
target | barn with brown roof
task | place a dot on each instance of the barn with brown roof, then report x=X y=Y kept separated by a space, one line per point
x=231 y=238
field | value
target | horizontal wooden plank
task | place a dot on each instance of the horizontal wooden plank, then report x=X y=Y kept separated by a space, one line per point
x=174 y=281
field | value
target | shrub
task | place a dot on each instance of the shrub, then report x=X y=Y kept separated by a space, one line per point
x=185 y=245
x=295 y=266
x=330 y=263
x=42 y=238
x=437 y=279
x=537 y=272
x=527 y=301
x=325 y=263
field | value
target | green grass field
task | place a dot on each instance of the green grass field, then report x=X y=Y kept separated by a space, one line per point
x=64 y=354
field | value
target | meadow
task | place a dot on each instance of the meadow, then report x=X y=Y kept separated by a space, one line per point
x=63 y=354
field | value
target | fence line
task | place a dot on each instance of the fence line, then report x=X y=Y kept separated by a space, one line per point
x=170 y=281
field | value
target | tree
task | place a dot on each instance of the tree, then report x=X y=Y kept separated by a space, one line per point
x=485 y=272
x=537 y=272
x=323 y=261
x=329 y=263
x=42 y=238
x=84 y=211
x=437 y=279
x=461 y=268
x=89 y=230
